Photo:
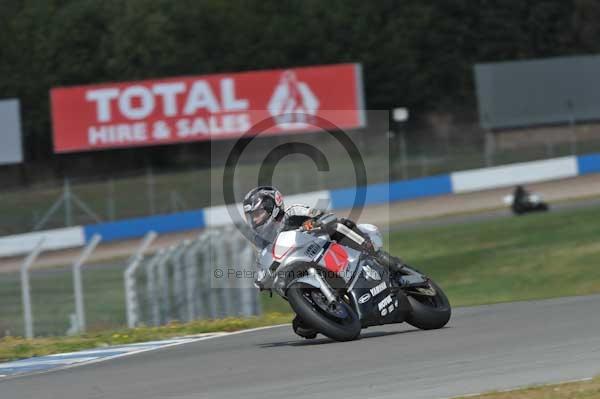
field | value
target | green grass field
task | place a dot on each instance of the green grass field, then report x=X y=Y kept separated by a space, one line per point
x=519 y=258
x=571 y=390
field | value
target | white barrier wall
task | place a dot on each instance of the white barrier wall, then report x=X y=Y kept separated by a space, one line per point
x=54 y=239
x=219 y=215
x=510 y=175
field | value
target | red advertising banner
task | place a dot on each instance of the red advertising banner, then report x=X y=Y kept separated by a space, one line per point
x=210 y=107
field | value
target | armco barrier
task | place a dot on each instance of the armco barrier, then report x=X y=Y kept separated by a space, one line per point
x=70 y=237
x=587 y=164
x=391 y=192
x=457 y=182
x=509 y=175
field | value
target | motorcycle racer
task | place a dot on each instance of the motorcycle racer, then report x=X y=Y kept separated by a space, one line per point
x=337 y=311
x=267 y=216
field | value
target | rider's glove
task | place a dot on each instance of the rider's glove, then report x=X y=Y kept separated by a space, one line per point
x=368 y=246
x=308 y=225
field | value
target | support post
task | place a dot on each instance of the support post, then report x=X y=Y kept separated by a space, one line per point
x=26 y=289
x=68 y=204
x=111 y=208
x=131 y=303
x=77 y=283
x=490 y=148
x=163 y=281
x=150 y=187
x=191 y=279
x=247 y=291
x=151 y=290
x=222 y=262
x=178 y=280
x=403 y=156
x=210 y=283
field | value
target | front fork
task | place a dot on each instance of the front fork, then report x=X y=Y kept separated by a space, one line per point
x=323 y=286
x=315 y=280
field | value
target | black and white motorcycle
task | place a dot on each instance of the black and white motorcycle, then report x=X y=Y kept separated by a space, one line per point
x=522 y=202
x=336 y=290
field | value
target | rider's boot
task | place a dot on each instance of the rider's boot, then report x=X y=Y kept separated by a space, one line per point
x=393 y=263
x=303 y=330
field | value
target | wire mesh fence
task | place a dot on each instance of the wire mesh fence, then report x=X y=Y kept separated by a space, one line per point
x=52 y=299
x=178 y=282
x=173 y=283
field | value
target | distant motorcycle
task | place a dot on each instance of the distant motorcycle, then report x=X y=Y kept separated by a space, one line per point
x=337 y=290
x=522 y=202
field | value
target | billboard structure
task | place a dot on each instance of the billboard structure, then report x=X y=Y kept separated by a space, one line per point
x=538 y=92
x=11 y=148
x=210 y=107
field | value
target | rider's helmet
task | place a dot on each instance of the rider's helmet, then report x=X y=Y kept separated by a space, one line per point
x=264 y=211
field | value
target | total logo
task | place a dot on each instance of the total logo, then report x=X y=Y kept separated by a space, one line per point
x=293 y=103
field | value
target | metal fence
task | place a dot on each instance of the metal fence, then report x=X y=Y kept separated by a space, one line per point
x=179 y=283
x=150 y=288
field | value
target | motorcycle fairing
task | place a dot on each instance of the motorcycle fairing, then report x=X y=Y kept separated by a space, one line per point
x=384 y=306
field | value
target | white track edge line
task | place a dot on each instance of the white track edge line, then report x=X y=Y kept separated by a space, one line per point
x=188 y=340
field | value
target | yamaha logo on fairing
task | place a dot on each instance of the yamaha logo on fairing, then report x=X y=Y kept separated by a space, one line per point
x=378 y=289
x=364 y=298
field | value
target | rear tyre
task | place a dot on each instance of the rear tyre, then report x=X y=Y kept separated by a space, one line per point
x=429 y=312
x=340 y=325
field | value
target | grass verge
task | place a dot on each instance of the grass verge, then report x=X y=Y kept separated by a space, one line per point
x=12 y=348
x=571 y=390
x=519 y=258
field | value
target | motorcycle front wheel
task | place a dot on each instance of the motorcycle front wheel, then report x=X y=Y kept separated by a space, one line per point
x=338 y=322
x=429 y=312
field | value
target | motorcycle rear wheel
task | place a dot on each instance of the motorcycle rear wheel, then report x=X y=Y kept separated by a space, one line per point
x=346 y=329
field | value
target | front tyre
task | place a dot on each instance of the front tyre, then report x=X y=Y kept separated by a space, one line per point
x=429 y=312
x=339 y=323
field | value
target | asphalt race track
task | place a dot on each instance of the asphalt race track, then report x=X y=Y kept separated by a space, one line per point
x=485 y=347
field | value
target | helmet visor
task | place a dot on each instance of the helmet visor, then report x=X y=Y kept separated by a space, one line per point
x=257 y=217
